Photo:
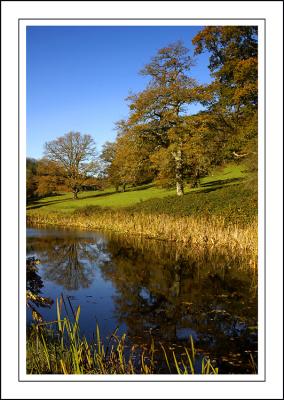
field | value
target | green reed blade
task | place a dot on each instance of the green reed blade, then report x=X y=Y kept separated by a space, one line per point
x=176 y=364
x=166 y=358
x=190 y=362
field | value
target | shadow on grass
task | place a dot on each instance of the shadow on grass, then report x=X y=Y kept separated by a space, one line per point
x=31 y=201
x=97 y=195
x=137 y=188
x=216 y=185
x=127 y=190
x=221 y=182
x=47 y=203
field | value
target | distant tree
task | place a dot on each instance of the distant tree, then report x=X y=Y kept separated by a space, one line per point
x=31 y=178
x=132 y=156
x=109 y=170
x=126 y=161
x=74 y=156
x=50 y=178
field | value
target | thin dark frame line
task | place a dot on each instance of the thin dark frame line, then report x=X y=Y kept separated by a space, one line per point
x=142 y=19
x=142 y=381
x=19 y=202
x=139 y=19
x=264 y=187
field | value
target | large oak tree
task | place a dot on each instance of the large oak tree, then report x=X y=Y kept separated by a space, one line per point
x=158 y=113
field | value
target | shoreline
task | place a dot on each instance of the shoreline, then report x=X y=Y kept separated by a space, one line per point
x=199 y=234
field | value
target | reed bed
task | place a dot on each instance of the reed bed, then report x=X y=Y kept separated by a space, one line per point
x=63 y=351
x=201 y=234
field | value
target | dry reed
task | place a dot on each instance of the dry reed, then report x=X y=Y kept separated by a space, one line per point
x=200 y=234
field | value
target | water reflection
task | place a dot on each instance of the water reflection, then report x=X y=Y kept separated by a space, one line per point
x=34 y=285
x=68 y=260
x=158 y=290
x=174 y=297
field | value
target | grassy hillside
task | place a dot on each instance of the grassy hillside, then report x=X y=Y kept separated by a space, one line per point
x=224 y=191
x=236 y=204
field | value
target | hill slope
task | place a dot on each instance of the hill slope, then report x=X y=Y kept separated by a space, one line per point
x=229 y=192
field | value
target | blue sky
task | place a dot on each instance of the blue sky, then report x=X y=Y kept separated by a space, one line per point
x=78 y=77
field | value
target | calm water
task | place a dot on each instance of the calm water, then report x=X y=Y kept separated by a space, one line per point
x=147 y=288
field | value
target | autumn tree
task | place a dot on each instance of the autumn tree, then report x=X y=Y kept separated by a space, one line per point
x=158 y=113
x=233 y=94
x=127 y=160
x=75 y=158
x=109 y=169
x=198 y=149
x=132 y=156
x=31 y=178
x=50 y=178
x=43 y=177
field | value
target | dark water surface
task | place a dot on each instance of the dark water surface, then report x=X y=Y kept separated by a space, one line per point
x=150 y=288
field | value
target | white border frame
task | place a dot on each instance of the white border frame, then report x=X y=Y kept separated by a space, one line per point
x=260 y=376
x=272 y=11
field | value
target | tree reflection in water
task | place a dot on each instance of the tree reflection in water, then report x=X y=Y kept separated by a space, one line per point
x=69 y=260
x=174 y=295
x=168 y=291
x=34 y=284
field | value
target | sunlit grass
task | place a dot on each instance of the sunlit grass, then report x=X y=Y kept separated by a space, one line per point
x=105 y=198
x=231 y=171
x=133 y=195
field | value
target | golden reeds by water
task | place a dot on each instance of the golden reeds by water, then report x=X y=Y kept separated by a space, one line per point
x=207 y=234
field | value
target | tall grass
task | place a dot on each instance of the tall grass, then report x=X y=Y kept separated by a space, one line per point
x=201 y=234
x=63 y=351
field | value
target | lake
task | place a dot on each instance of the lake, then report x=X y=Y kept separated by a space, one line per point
x=150 y=289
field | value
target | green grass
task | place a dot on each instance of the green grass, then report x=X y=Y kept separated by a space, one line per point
x=235 y=203
x=231 y=171
x=106 y=198
x=155 y=199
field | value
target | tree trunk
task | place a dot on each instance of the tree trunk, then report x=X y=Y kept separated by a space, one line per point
x=123 y=187
x=180 y=191
x=75 y=194
x=179 y=172
x=196 y=180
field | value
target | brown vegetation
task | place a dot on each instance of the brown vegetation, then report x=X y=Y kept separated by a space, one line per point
x=201 y=234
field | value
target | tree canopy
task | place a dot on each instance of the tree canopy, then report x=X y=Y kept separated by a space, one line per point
x=233 y=94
